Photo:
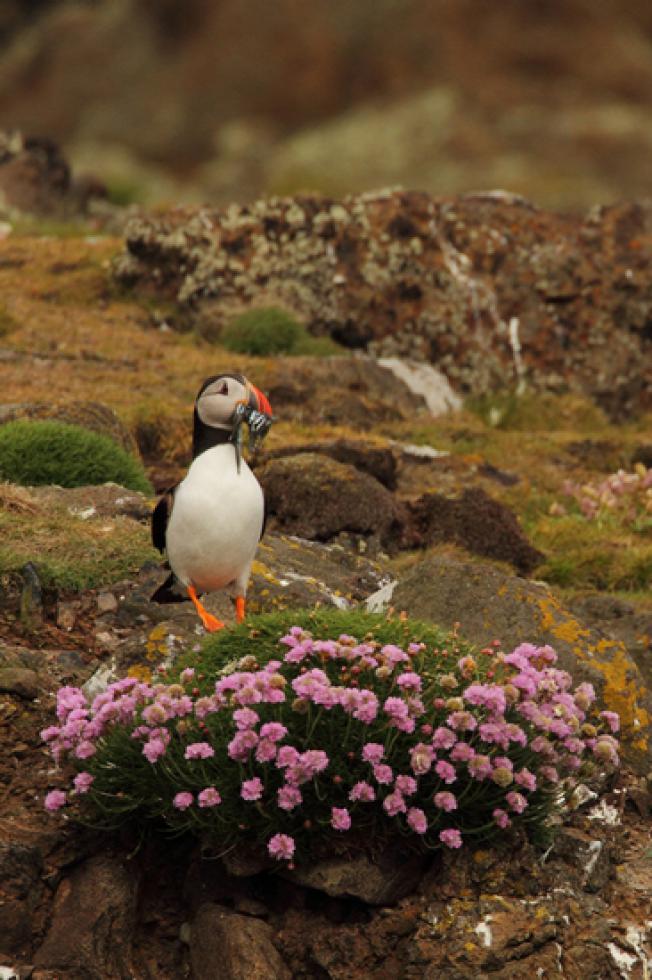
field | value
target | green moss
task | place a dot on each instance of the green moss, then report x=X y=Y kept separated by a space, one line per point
x=268 y=331
x=38 y=453
x=230 y=645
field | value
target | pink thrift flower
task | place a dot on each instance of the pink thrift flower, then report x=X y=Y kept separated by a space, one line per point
x=450 y=837
x=445 y=771
x=489 y=696
x=241 y=745
x=182 y=801
x=526 y=779
x=517 y=802
x=288 y=797
x=421 y=758
x=287 y=756
x=462 y=752
x=314 y=759
x=252 y=789
x=394 y=803
x=409 y=681
x=187 y=675
x=83 y=782
x=85 y=750
x=373 y=752
x=340 y=818
x=383 y=774
x=154 y=749
x=445 y=801
x=265 y=750
x=393 y=654
x=199 y=750
x=480 y=767
x=443 y=738
x=54 y=800
x=209 y=797
x=245 y=718
x=612 y=720
x=549 y=773
x=48 y=734
x=406 y=785
x=367 y=707
x=416 y=819
x=281 y=847
x=273 y=730
x=362 y=793
x=501 y=818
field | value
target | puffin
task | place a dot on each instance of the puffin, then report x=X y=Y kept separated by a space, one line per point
x=210 y=523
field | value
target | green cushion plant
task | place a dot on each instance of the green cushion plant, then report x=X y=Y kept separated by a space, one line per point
x=268 y=331
x=38 y=453
x=304 y=731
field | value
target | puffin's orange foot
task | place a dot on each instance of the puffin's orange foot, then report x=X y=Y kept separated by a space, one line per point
x=210 y=622
x=240 y=608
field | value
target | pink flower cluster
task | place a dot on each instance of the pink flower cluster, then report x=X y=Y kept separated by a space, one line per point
x=417 y=740
x=625 y=493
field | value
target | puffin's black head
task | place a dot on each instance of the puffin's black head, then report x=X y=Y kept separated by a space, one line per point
x=223 y=402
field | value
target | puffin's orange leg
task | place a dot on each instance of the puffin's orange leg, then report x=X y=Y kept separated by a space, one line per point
x=240 y=608
x=211 y=623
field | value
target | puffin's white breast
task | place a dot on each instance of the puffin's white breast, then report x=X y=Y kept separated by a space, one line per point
x=216 y=521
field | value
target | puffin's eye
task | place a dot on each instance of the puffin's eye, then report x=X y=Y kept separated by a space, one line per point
x=224 y=389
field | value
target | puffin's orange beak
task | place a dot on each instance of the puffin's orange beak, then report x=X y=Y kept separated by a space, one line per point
x=263 y=401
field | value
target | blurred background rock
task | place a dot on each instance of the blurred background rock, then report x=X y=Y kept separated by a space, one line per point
x=222 y=100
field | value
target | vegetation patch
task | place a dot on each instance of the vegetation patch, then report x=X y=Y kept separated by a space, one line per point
x=313 y=731
x=268 y=331
x=38 y=453
x=70 y=551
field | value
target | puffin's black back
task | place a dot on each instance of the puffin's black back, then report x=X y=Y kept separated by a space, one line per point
x=205 y=436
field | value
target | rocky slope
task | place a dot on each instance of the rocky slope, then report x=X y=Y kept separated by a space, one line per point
x=449 y=491
x=491 y=290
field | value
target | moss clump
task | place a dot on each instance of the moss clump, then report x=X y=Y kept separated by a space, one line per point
x=45 y=453
x=269 y=331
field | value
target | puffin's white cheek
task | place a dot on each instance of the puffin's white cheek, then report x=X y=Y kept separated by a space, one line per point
x=215 y=409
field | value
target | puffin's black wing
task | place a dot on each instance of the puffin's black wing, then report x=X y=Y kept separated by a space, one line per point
x=265 y=516
x=160 y=518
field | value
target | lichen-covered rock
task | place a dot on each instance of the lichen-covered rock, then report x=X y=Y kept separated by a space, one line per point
x=488 y=604
x=487 y=287
x=314 y=496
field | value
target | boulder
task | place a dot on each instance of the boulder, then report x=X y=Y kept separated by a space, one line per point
x=379 y=882
x=474 y=521
x=377 y=459
x=228 y=946
x=314 y=496
x=487 y=604
x=93 y=922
